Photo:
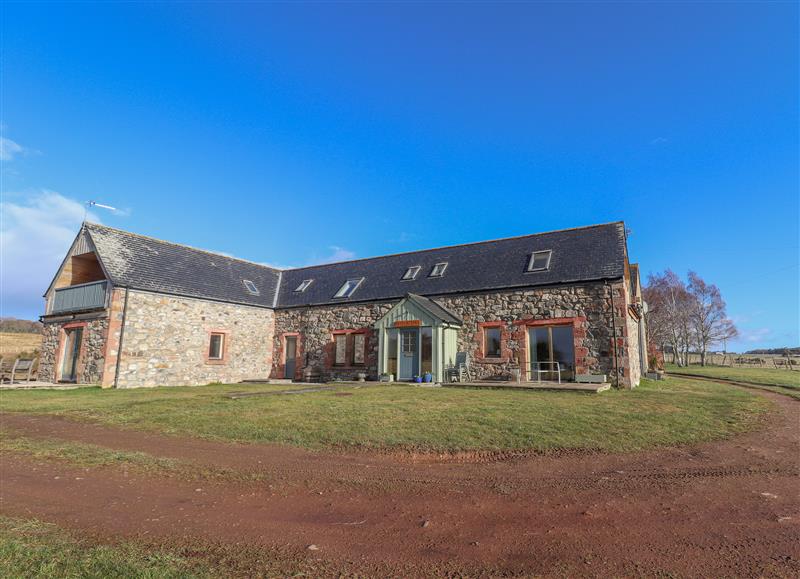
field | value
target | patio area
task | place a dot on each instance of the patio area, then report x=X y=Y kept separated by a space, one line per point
x=543 y=385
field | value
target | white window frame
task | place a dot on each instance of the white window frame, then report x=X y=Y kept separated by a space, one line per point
x=343 y=293
x=440 y=273
x=303 y=285
x=221 y=345
x=532 y=260
x=411 y=273
x=250 y=287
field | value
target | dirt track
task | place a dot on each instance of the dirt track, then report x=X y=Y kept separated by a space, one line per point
x=720 y=509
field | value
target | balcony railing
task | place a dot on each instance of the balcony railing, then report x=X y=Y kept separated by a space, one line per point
x=75 y=298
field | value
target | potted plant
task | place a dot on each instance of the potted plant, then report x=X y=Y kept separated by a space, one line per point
x=386 y=377
x=417 y=378
x=427 y=377
x=362 y=376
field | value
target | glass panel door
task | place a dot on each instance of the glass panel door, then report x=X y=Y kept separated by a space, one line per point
x=551 y=348
x=409 y=354
x=391 y=353
x=564 y=350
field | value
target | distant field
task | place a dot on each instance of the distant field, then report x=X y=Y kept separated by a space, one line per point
x=12 y=345
x=784 y=381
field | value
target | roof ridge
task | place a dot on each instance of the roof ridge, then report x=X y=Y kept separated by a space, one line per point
x=183 y=245
x=618 y=222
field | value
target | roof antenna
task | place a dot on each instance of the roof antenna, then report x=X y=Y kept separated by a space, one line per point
x=95 y=204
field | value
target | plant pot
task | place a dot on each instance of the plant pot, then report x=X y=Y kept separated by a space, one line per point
x=418 y=379
x=427 y=377
x=362 y=377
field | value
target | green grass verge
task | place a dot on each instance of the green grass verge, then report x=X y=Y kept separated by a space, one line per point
x=33 y=549
x=782 y=381
x=674 y=411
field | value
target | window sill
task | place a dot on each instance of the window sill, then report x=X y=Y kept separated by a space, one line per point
x=492 y=360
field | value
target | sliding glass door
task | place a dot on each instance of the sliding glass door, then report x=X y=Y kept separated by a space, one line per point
x=551 y=348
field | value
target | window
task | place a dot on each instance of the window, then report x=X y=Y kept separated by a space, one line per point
x=303 y=285
x=491 y=342
x=340 y=349
x=552 y=348
x=216 y=346
x=348 y=288
x=438 y=269
x=359 y=340
x=540 y=261
x=250 y=287
x=411 y=272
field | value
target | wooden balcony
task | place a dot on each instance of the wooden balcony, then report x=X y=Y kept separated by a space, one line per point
x=78 y=298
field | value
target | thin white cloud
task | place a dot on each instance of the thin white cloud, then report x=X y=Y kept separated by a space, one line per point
x=756 y=335
x=35 y=235
x=9 y=149
x=659 y=141
x=338 y=254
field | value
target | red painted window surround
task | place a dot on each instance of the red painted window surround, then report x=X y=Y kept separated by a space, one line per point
x=578 y=324
x=349 y=345
x=226 y=344
x=505 y=335
x=280 y=367
x=296 y=345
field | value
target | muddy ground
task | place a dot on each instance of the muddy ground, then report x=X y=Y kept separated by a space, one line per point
x=729 y=508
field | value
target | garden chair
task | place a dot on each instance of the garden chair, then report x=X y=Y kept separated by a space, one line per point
x=547 y=368
x=460 y=369
x=23 y=367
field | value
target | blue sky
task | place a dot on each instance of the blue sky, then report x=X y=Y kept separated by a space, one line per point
x=299 y=133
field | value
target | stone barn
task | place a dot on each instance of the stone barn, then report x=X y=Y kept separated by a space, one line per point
x=125 y=311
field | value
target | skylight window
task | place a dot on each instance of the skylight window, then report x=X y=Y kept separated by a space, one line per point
x=540 y=261
x=303 y=285
x=348 y=287
x=438 y=269
x=250 y=287
x=411 y=272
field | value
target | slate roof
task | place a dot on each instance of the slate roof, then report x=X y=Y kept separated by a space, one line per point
x=583 y=254
x=434 y=309
x=145 y=263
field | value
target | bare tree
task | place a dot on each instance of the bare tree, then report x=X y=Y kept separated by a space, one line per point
x=668 y=321
x=708 y=317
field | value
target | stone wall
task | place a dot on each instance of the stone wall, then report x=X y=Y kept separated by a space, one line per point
x=587 y=307
x=165 y=341
x=92 y=353
x=316 y=326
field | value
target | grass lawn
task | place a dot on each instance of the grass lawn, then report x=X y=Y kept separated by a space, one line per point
x=33 y=549
x=785 y=381
x=673 y=411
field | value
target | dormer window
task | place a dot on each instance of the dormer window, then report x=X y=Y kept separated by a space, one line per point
x=411 y=272
x=349 y=287
x=438 y=269
x=540 y=261
x=250 y=287
x=303 y=285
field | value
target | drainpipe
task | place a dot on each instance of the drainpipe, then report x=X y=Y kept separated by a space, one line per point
x=614 y=329
x=121 y=335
